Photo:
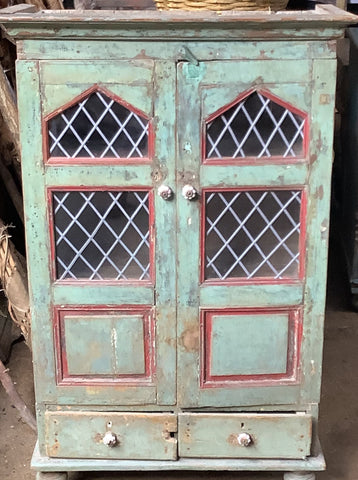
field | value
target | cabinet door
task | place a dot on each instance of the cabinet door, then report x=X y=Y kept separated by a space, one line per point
x=103 y=299
x=250 y=243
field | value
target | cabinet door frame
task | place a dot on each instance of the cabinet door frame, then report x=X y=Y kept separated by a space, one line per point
x=40 y=177
x=200 y=96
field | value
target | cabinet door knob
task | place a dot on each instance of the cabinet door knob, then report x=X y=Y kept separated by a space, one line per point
x=165 y=192
x=110 y=439
x=244 y=439
x=189 y=192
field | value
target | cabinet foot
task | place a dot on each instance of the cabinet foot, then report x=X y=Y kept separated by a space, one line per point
x=299 y=476
x=51 y=476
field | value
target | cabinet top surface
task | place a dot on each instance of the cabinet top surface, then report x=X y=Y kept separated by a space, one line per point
x=23 y=23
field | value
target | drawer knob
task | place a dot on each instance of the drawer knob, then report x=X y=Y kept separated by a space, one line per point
x=165 y=192
x=189 y=192
x=110 y=439
x=244 y=439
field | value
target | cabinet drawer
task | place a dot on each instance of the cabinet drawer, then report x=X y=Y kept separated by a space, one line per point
x=136 y=435
x=267 y=435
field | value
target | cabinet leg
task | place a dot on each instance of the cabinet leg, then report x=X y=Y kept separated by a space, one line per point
x=299 y=476
x=51 y=476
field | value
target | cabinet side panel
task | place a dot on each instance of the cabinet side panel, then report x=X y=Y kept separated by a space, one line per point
x=320 y=155
x=37 y=241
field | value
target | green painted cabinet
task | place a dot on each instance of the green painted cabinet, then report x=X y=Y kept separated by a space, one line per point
x=176 y=173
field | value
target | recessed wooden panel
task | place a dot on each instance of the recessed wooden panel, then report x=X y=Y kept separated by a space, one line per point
x=109 y=345
x=249 y=345
x=100 y=346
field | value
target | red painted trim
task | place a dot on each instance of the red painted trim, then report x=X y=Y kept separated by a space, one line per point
x=62 y=375
x=303 y=236
x=256 y=280
x=98 y=161
x=291 y=376
x=85 y=282
x=253 y=161
x=241 y=161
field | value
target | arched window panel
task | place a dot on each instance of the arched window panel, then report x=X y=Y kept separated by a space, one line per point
x=98 y=126
x=257 y=125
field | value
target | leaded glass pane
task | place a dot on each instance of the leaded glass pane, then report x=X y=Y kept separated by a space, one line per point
x=98 y=127
x=101 y=235
x=255 y=127
x=251 y=234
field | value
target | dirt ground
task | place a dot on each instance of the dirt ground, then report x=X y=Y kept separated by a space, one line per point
x=338 y=428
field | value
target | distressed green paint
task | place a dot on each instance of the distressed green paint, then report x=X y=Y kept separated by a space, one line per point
x=127 y=50
x=99 y=175
x=247 y=295
x=140 y=435
x=78 y=72
x=107 y=394
x=273 y=436
x=249 y=344
x=104 y=345
x=297 y=94
x=36 y=228
x=63 y=81
x=166 y=220
x=55 y=96
x=188 y=263
x=321 y=155
x=248 y=175
x=239 y=75
x=107 y=295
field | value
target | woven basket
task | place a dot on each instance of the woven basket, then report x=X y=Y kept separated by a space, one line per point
x=221 y=5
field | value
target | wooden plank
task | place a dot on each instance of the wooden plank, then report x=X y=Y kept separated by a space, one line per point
x=272 y=435
x=313 y=463
x=73 y=294
x=179 y=24
x=262 y=340
x=99 y=345
x=188 y=243
x=138 y=72
x=166 y=217
x=111 y=394
x=139 y=435
x=254 y=175
x=114 y=4
x=20 y=8
x=251 y=71
x=97 y=175
x=126 y=50
x=247 y=295
x=318 y=214
x=54 y=96
x=36 y=227
x=323 y=14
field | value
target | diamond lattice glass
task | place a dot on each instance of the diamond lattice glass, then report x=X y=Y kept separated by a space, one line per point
x=255 y=127
x=98 y=127
x=101 y=235
x=250 y=234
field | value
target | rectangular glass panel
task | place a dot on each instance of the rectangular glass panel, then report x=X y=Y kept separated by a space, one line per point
x=250 y=234
x=101 y=235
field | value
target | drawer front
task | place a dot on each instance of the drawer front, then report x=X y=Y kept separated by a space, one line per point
x=245 y=435
x=134 y=435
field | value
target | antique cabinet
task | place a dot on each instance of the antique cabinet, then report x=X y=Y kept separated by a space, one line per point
x=176 y=171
